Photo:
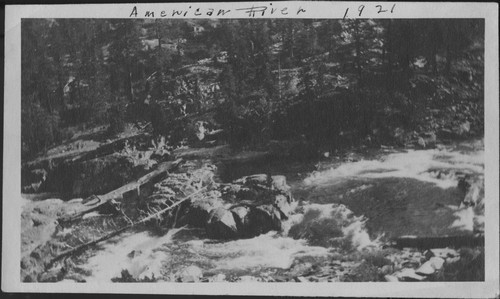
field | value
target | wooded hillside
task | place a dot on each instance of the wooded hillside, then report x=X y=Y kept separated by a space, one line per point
x=332 y=83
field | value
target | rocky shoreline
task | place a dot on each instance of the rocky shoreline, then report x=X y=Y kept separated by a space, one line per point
x=245 y=208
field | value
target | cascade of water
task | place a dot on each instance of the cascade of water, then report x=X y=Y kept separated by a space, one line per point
x=407 y=187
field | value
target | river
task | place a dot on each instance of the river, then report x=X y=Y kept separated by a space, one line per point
x=344 y=206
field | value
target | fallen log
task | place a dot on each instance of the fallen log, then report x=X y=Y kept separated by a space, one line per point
x=107 y=149
x=154 y=176
x=438 y=242
x=85 y=246
x=40 y=196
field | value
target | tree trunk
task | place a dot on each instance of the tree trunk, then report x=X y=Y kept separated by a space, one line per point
x=358 y=53
x=389 y=78
x=407 y=56
x=406 y=68
x=128 y=84
x=158 y=36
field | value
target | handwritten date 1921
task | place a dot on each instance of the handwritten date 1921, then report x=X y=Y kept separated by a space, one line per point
x=363 y=8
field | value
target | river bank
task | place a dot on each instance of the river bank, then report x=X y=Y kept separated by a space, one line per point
x=343 y=216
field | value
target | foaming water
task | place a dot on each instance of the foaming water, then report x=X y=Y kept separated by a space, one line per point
x=135 y=252
x=347 y=208
x=269 y=250
x=464 y=218
x=408 y=193
x=421 y=165
x=332 y=225
x=144 y=255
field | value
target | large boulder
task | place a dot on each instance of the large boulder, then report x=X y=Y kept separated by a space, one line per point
x=243 y=221
x=427 y=140
x=257 y=189
x=278 y=182
x=197 y=212
x=263 y=219
x=284 y=205
x=252 y=221
x=260 y=203
x=241 y=216
x=253 y=180
x=221 y=224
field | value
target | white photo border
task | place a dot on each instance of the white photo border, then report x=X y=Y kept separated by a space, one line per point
x=317 y=10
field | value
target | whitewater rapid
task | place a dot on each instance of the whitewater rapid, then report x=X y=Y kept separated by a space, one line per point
x=422 y=165
x=350 y=206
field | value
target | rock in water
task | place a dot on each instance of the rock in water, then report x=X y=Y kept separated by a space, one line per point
x=421 y=142
x=198 y=212
x=221 y=224
x=409 y=275
x=53 y=275
x=444 y=252
x=260 y=204
x=452 y=260
x=241 y=217
x=437 y=263
x=218 y=278
x=264 y=218
x=387 y=269
x=473 y=195
x=252 y=180
x=279 y=183
x=190 y=274
x=426 y=269
x=390 y=278
x=430 y=139
x=301 y=279
x=283 y=204
x=134 y=253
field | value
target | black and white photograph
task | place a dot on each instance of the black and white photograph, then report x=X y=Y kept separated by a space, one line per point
x=230 y=151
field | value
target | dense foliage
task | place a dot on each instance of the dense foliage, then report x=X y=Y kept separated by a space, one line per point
x=329 y=82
